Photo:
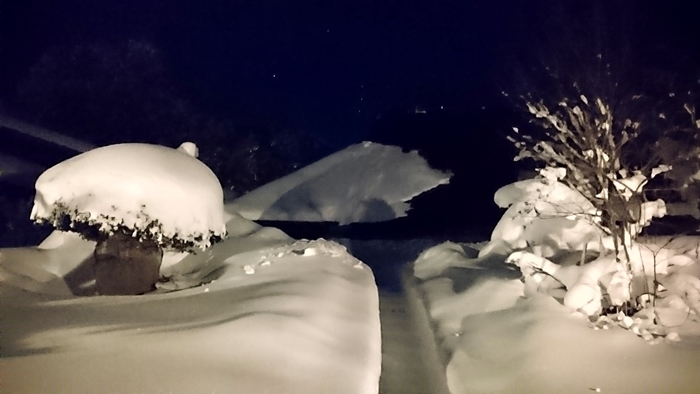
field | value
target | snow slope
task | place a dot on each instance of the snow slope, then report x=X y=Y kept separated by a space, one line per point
x=366 y=182
x=256 y=313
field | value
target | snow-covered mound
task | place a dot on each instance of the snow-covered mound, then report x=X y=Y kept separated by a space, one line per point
x=366 y=182
x=151 y=191
x=257 y=313
x=546 y=213
x=495 y=340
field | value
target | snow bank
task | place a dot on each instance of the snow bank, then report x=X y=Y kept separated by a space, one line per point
x=256 y=313
x=154 y=191
x=363 y=183
x=494 y=340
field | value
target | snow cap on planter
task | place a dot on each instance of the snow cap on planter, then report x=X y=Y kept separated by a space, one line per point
x=151 y=192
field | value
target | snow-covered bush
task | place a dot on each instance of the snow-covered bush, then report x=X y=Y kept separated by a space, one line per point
x=133 y=200
x=595 y=168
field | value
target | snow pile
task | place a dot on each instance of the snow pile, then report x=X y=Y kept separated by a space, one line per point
x=257 y=313
x=546 y=213
x=154 y=192
x=366 y=182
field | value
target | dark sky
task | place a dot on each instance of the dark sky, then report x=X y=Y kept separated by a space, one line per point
x=345 y=69
x=323 y=65
x=330 y=67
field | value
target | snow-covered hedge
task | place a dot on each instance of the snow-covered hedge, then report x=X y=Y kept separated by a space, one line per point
x=147 y=191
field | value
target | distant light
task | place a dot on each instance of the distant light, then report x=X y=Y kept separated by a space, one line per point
x=442 y=107
x=274 y=76
x=361 y=98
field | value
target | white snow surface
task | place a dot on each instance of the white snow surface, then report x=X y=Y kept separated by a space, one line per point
x=255 y=313
x=545 y=213
x=495 y=340
x=143 y=187
x=367 y=182
x=521 y=313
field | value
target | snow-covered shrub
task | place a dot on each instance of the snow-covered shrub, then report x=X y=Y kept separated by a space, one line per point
x=595 y=169
x=606 y=120
x=134 y=200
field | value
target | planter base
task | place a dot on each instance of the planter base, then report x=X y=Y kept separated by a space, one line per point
x=126 y=266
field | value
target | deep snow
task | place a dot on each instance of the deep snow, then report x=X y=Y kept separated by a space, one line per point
x=257 y=312
x=260 y=312
x=494 y=340
x=520 y=313
x=263 y=314
x=366 y=182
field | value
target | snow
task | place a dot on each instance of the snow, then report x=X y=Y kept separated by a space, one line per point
x=151 y=190
x=521 y=312
x=255 y=313
x=496 y=340
x=543 y=212
x=366 y=182
x=261 y=312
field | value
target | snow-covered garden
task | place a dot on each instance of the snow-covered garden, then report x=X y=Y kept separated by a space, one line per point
x=150 y=283
x=232 y=307
x=509 y=320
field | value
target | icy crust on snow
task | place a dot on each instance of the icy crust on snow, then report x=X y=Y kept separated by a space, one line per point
x=495 y=340
x=259 y=313
x=366 y=182
x=149 y=191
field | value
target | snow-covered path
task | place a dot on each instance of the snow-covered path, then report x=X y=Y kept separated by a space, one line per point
x=409 y=358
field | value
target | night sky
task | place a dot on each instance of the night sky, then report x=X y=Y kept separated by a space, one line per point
x=326 y=66
x=329 y=67
x=345 y=70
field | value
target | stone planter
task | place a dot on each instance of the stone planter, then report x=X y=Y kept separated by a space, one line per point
x=126 y=266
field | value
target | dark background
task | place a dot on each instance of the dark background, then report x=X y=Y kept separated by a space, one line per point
x=332 y=73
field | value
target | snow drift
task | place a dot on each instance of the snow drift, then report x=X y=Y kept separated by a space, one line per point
x=256 y=313
x=366 y=182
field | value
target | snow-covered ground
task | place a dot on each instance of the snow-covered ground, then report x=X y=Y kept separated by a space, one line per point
x=494 y=340
x=259 y=313
x=255 y=313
